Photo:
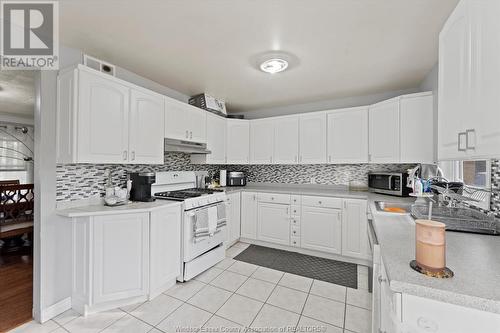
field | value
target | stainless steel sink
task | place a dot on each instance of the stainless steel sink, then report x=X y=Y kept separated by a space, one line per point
x=384 y=206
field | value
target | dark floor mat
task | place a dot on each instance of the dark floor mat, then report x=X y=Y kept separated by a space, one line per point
x=333 y=271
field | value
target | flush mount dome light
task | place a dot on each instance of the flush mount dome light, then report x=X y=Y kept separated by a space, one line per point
x=274 y=65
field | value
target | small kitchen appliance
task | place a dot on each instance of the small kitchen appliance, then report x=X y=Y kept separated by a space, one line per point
x=236 y=178
x=391 y=183
x=141 y=186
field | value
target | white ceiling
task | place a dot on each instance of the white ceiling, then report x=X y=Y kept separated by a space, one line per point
x=17 y=92
x=344 y=47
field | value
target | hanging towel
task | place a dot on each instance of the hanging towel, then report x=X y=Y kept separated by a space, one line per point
x=212 y=220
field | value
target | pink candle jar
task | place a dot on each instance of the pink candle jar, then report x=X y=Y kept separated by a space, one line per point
x=430 y=238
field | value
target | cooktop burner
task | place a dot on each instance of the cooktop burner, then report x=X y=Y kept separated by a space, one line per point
x=185 y=194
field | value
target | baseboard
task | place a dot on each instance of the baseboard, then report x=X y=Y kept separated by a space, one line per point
x=55 y=309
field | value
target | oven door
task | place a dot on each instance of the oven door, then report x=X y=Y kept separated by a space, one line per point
x=192 y=248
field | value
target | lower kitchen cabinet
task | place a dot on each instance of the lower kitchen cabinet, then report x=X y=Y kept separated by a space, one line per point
x=249 y=215
x=354 y=229
x=124 y=258
x=165 y=249
x=273 y=223
x=233 y=217
x=321 y=229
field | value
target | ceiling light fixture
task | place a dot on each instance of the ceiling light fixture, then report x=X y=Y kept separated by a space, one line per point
x=274 y=65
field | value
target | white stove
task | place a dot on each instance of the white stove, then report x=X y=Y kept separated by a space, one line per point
x=204 y=220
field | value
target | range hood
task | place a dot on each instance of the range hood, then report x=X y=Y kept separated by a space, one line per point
x=181 y=146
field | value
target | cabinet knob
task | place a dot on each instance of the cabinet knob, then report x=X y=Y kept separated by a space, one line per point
x=381 y=279
x=125 y=154
x=191 y=135
x=294 y=232
x=320 y=202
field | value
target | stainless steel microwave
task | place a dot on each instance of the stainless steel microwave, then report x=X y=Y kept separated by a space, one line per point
x=392 y=183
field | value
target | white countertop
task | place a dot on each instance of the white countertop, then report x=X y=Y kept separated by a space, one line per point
x=92 y=208
x=473 y=258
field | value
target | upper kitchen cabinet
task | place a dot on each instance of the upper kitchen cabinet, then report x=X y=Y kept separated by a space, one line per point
x=384 y=132
x=312 y=138
x=286 y=140
x=147 y=115
x=184 y=121
x=216 y=141
x=348 y=135
x=238 y=137
x=417 y=131
x=469 y=81
x=262 y=141
x=102 y=119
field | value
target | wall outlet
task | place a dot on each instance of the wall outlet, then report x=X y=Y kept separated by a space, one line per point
x=313 y=180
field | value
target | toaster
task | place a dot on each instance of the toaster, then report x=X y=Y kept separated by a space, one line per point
x=236 y=178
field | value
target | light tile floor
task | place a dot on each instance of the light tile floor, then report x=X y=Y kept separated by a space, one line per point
x=233 y=296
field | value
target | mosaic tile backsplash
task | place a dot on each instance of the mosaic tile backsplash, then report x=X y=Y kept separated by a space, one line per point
x=80 y=181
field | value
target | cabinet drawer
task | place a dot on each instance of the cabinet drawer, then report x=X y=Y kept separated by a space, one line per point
x=295 y=210
x=295 y=199
x=295 y=221
x=274 y=198
x=295 y=241
x=295 y=231
x=322 y=202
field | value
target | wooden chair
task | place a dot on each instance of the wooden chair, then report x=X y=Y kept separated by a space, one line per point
x=16 y=210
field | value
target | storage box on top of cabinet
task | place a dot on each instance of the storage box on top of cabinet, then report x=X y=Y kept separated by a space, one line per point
x=102 y=119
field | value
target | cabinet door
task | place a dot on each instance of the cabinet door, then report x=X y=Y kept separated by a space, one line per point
x=348 y=135
x=176 y=119
x=121 y=256
x=482 y=124
x=233 y=203
x=273 y=223
x=312 y=138
x=165 y=248
x=102 y=120
x=384 y=132
x=286 y=140
x=197 y=124
x=321 y=229
x=354 y=229
x=216 y=139
x=417 y=130
x=261 y=141
x=238 y=136
x=147 y=127
x=454 y=78
x=249 y=215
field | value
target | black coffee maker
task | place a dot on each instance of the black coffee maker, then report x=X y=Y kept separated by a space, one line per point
x=141 y=186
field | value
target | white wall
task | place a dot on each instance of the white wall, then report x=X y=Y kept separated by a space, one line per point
x=330 y=104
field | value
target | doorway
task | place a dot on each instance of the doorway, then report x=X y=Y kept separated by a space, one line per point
x=17 y=103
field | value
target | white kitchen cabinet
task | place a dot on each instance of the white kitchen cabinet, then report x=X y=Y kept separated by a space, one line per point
x=234 y=217
x=147 y=114
x=261 y=141
x=312 y=138
x=390 y=304
x=249 y=215
x=384 y=132
x=110 y=261
x=216 y=142
x=469 y=62
x=165 y=248
x=273 y=223
x=102 y=119
x=286 y=140
x=238 y=141
x=355 y=229
x=184 y=121
x=321 y=229
x=348 y=135
x=417 y=131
